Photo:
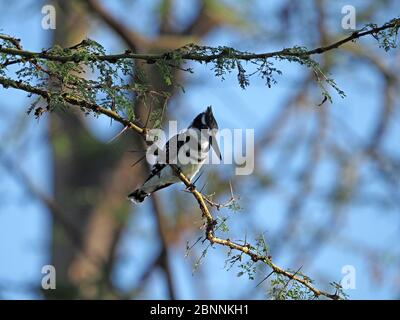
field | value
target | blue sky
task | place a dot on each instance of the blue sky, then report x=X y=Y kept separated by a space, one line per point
x=25 y=224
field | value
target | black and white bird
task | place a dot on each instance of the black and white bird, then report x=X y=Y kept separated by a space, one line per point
x=188 y=150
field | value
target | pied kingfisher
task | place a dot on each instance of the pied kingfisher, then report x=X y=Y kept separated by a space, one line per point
x=188 y=150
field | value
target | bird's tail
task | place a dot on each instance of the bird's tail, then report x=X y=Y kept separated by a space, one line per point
x=137 y=196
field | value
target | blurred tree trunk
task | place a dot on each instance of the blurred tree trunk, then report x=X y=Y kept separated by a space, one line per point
x=89 y=177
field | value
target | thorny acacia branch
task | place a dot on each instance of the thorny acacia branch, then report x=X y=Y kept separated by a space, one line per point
x=223 y=59
x=152 y=58
x=74 y=101
x=200 y=198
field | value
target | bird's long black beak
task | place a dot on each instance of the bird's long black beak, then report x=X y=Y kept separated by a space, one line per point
x=214 y=144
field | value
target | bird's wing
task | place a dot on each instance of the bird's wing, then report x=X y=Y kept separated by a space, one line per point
x=155 y=170
x=167 y=155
